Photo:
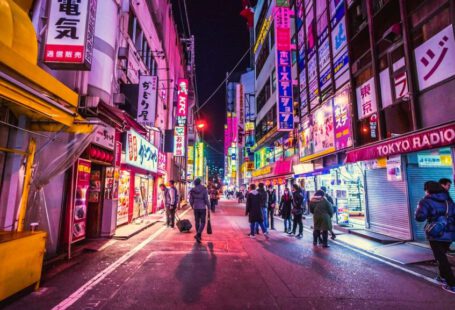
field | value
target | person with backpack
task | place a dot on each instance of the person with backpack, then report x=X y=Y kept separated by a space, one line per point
x=297 y=210
x=254 y=212
x=285 y=209
x=271 y=203
x=438 y=210
x=330 y=199
x=199 y=201
x=322 y=211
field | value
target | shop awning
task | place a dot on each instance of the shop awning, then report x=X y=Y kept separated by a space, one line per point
x=31 y=90
x=127 y=119
x=418 y=141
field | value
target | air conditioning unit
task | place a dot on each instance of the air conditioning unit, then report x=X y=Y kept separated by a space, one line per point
x=393 y=33
x=123 y=52
x=119 y=99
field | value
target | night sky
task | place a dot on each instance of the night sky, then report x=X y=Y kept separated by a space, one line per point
x=222 y=38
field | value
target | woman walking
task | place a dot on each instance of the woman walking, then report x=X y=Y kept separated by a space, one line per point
x=285 y=209
x=437 y=208
x=322 y=211
x=297 y=210
x=254 y=211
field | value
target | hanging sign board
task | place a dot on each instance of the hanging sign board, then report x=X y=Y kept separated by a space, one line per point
x=146 y=106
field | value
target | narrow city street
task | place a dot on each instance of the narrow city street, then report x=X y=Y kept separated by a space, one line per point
x=163 y=269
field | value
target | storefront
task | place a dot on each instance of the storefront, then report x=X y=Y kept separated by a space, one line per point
x=138 y=175
x=396 y=171
x=277 y=174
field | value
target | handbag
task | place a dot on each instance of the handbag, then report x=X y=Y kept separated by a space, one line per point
x=297 y=211
x=436 y=228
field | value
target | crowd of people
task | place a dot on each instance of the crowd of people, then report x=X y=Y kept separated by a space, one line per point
x=262 y=203
x=436 y=208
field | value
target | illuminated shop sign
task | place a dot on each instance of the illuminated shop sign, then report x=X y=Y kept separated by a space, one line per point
x=181 y=116
x=146 y=105
x=70 y=34
x=285 y=109
x=140 y=152
x=366 y=99
x=342 y=117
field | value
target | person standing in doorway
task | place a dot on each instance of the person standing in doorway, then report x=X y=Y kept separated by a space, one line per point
x=199 y=201
x=297 y=210
x=254 y=211
x=263 y=202
x=285 y=210
x=433 y=208
x=322 y=212
x=271 y=203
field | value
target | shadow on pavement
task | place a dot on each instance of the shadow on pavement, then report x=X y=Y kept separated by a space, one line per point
x=196 y=270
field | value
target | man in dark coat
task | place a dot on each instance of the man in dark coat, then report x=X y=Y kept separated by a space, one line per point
x=199 y=201
x=435 y=205
x=271 y=203
x=297 y=210
x=322 y=212
x=285 y=209
x=334 y=207
x=254 y=211
x=263 y=202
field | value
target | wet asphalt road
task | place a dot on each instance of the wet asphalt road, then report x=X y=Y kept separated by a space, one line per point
x=163 y=269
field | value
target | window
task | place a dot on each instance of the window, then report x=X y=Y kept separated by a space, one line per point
x=263 y=96
x=398 y=119
x=262 y=58
x=428 y=20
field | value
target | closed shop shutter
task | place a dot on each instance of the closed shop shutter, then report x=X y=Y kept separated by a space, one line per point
x=388 y=211
x=416 y=178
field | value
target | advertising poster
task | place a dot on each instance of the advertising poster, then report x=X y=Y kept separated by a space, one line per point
x=305 y=138
x=394 y=172
x=123 y=197
x=342 y=117
x=323 y=134
x=81 y=200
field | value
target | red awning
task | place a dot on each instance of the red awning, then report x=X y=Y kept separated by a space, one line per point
x=122 y=116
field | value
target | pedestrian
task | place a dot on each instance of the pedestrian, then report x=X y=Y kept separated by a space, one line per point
x=446 y=183
x=297 y=210
x=199 y=201
x=285 y=209
x=322 y=211
x=439 y=211
x=271 y=203
x=169 y=207
x=334 y=208
x=213 y=198
x=164 y=201
x=254 y=211
x=263 y=201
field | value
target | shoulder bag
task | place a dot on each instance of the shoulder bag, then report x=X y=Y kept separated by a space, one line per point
x=436 y=228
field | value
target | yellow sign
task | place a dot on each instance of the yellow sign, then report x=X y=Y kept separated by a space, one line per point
x=263 y=33
x=262 y=171
x=199 y=159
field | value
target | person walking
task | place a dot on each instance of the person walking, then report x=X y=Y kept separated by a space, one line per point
x=271 y=204
x=446 y=183
x=437 y=207
x=213 y=198
x=165 y=203
x=199 y=201
x=263 y=202
x=285 y=209
x=322 y=211
x=297 y=210
x=334 y=208
x=254 y=212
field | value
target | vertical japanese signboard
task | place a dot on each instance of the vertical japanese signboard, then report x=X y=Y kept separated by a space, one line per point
x=366 y=99
x=342 y=117
x=79 y=220
x=285 y=110
x=70 y=34
x=181 y=116
x=146 y=106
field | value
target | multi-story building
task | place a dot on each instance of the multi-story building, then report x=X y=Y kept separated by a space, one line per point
x=375 y=84
x=89 y=89
x=276 y=93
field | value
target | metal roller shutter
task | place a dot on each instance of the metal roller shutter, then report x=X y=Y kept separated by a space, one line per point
x=388 y=211
x=416 y=178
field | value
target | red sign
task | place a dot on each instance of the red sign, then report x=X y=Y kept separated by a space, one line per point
x=424 y=140
x=283 y=167
x=182 y=95
x=162 y=161
x=118 y=153
x=79 y=220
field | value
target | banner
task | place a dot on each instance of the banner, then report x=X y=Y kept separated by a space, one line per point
x=79 y=220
